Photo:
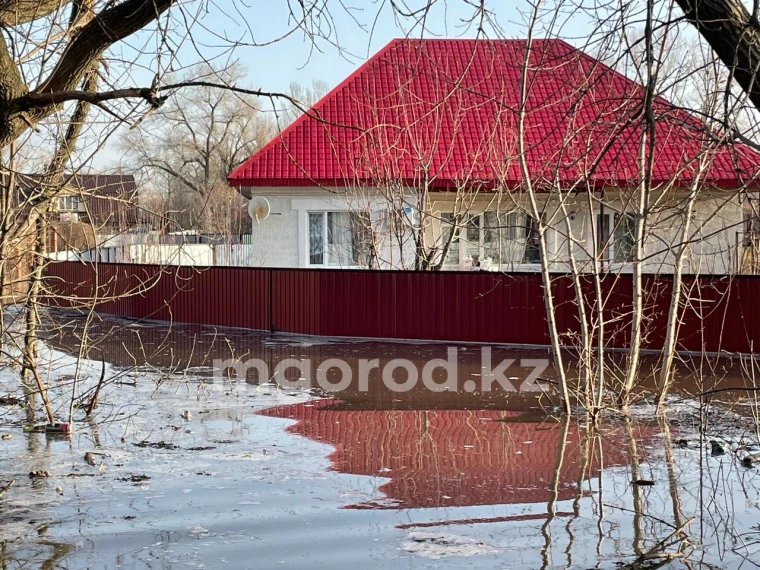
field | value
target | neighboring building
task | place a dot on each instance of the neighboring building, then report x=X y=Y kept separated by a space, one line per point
x=87 y=209
x=106 y=201
x=413 y=161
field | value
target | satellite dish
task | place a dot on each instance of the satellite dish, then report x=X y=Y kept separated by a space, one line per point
x=259 y=208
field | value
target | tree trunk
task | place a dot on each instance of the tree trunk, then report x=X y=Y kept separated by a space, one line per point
x=734 y=35
x=29 y=371
x=673 y=322
x=536 y=214
x=646 y=165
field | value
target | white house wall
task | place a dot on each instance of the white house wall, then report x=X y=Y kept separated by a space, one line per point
x=282 y=240
x=275 y=241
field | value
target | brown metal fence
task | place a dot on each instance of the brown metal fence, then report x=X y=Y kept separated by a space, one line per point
x=721 y=313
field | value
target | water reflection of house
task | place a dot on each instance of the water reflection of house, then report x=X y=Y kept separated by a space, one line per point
x=438 y=458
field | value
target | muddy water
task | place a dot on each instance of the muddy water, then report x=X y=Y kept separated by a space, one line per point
x=262 y=476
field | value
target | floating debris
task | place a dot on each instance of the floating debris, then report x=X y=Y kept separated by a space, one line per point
x=10 y=401
x=5 y=488
x=439 y=545
x=643 y=482
x=59 y=427
x=186 y=415
x=748 y=457
x=39 y=474
x=156 y=445
x=135 y=478
x=717 y=447
x=89 y=458
x=56 y=428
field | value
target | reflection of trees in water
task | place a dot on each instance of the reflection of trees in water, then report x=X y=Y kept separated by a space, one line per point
x=584 y=466
x=42 y=554
x=450 y=457
x=554 y=492
x=651 y=536
x=633 y=461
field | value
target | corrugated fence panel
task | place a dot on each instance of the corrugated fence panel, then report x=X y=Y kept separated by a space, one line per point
x=717 y=312
x=217 y=296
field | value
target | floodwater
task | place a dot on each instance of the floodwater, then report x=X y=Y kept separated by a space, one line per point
x=298 y=475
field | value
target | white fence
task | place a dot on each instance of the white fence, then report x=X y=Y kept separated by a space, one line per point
x=240 y=255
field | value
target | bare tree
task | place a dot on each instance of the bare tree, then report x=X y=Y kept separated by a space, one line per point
x=185 y=150
x=72 y=72
x=302 y=98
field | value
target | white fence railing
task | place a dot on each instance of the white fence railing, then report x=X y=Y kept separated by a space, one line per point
x=239 y=255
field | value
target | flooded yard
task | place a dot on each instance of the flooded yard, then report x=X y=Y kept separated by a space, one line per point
x=183 y=467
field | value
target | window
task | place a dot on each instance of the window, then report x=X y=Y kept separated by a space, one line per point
x=316 y=239
x=500 y=238
x=448 y=226
x=472 y=237
x=68 y=203
x=339 y=239
x=618 y=243
x=532 y=248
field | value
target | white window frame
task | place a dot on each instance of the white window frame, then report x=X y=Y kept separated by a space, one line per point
x=324 y=214
x=609 y=213
x=313 y=204
x=68 y=203
x=464 y=260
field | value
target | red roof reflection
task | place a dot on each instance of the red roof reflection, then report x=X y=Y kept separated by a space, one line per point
x=437 y=458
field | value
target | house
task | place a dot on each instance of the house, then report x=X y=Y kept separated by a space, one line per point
x=86 y=208
x=414 y=161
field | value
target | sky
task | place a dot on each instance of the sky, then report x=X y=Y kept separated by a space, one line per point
x=360 y=34
x=355 y=30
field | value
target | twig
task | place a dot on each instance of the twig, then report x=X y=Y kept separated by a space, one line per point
x=8 y=486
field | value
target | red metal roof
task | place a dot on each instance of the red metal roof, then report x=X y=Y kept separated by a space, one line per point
x=447 y=109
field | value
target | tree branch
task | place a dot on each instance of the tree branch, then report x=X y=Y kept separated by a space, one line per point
x=108 y=27
x=39 y=99
x=32 y=101
x=16 y=12
x=728 y=28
